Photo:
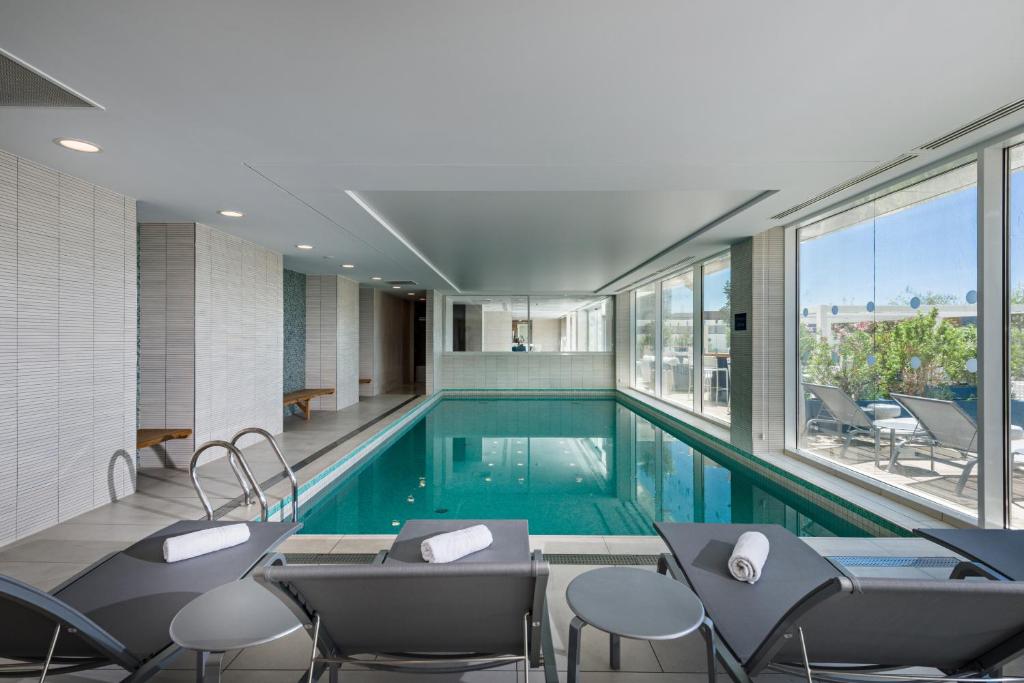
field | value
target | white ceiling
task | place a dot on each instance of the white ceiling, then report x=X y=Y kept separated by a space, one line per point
x=546 y=241
x=550 y=121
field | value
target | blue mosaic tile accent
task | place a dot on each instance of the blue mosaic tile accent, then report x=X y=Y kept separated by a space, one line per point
x=294 y=331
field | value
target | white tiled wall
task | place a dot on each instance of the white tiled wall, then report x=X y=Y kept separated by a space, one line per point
x=211 y=337
x=167 y=337
x=239 y=318
x=332 y=339
x=511 y=370
x=623 y=341
x=67 y=346
x=366 y=348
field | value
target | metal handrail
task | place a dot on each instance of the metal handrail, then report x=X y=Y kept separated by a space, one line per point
x=280 y=456
x=233 y=452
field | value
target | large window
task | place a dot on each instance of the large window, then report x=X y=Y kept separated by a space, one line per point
x=524 y=324
x=683 y=362
x=715 y=365
x=645 y=306
x=1015 y=332
x=888 y=338
x=677 y=339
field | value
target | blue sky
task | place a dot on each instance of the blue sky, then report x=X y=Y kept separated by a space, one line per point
x=927 y=248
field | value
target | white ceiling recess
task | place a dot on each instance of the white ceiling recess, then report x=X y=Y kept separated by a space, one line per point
x=278 y=109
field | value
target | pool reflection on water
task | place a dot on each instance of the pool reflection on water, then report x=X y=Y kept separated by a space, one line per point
x=589 y=467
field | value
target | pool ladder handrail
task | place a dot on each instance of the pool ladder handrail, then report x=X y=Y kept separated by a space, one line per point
x=236 y=460
x=280 y=457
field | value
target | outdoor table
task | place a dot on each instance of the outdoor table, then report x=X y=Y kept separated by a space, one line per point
x=627 y=602
x=234 y=616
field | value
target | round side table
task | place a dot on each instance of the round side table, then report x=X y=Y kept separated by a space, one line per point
x=234 y=616
x=626 y=602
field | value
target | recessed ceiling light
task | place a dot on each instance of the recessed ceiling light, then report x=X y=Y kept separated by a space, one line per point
x=303 y=246
x=231 y=213
x=376 y=277
x=395 y=287
x=77 y=145
x=347 y=265
x=412 y=293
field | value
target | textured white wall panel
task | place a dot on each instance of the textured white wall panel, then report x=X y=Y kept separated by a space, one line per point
x=67 y=347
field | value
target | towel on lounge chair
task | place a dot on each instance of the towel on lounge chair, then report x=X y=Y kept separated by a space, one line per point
x=748 y=556
x=186 y=546
x=456 y=544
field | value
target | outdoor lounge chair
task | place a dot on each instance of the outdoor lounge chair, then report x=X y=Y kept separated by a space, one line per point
x=845 y=413
x=946 y=425
x=118 y=611
x=851 y=625
x=483 y=611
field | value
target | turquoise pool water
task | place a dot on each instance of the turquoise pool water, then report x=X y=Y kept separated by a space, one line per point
x=590 y=466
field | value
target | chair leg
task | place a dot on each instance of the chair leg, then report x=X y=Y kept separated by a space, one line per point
x=575 y=629
x=846 y=444
x=962 y=482
x=614 y=651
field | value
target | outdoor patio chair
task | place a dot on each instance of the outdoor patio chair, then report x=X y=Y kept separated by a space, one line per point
x=846 y=414
x=853 y=626
x=946 y=425
x=486 y=610
x=118 y=612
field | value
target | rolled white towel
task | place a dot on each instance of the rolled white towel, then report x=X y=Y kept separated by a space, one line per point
x=748 y=556
x=198 y=543
x=456 y=544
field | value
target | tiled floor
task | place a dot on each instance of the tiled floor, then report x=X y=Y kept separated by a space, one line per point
x=915 y=471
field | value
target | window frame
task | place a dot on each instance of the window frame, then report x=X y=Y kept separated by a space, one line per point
x=993 y=249
x=609 y=327
x=697 y=342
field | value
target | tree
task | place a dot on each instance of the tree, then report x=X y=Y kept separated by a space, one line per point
x=846 y=366
x=939 y=348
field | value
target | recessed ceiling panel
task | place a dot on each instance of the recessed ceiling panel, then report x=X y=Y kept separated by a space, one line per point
x=546 y=241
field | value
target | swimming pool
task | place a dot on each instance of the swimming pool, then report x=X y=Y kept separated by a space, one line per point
x=569 y=466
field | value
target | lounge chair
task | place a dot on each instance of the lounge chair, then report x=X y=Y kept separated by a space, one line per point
x=118 y=611
x=403 y=614
x=851 y=625
x=946 y=425
x=846 y=414
x=991 y=553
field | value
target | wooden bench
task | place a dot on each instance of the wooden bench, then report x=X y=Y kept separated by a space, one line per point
x=302 y=397
x=144 y=438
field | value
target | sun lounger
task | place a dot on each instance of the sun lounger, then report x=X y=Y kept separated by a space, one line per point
x=483 y=611
x=851 y=624
x=118 y=611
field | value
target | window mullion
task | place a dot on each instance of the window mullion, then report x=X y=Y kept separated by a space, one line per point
x=992 y=354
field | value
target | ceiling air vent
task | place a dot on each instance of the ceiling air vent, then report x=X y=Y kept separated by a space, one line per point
x=877 y=170
x=974 y=125
x=402 y=283
x=23 y=86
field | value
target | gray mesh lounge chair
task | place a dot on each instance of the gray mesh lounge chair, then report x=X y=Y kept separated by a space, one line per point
x=484 y=611
x=118 y=611
x=946 y=425
x=851 y=625
x=845 y=413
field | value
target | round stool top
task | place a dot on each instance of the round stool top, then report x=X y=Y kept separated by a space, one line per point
x=635 y=603
x=233 y=616
x=885 y=411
